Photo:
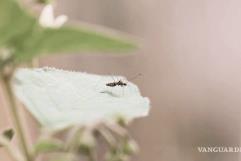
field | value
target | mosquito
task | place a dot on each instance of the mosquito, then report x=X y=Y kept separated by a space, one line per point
x=120 y=82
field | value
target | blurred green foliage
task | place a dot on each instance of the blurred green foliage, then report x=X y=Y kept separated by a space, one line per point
x=25 y=38
x=8 y=133
x=47 y=146
x=43 y=1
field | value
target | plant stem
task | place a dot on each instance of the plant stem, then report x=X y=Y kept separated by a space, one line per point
x=12 y=151
x=109 y=138
x=15 y=115
x=92 y=156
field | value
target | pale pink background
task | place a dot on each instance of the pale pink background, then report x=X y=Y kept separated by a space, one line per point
x=191 y=65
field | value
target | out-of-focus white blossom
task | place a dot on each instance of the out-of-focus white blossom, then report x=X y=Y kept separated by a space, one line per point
x=5 y=54
x=47 y=19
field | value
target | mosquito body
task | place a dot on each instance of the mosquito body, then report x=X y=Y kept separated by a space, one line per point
x=113 y=84
x=118 y=83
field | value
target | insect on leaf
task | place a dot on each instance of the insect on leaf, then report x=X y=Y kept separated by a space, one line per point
x=58 y=98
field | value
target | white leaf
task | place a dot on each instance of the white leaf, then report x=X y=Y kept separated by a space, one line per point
x=59 y=98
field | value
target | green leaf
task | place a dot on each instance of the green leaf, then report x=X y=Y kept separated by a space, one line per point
x=9 y=134
x=70 y=39
x=21 y=32
x=43 y=1
x=44 y=146
x=14 y=21
x=130 y=147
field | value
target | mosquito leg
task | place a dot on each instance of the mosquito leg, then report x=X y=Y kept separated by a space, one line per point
x=122 y=90
x=113 y=78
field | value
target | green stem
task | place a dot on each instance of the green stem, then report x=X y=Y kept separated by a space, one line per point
x=16 y=118
x=109 y=138
x=12 y=151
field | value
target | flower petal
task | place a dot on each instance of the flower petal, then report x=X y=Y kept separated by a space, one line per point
x=60 y=20
x=46 y=18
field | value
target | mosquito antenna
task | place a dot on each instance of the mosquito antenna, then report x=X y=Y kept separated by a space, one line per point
x=136 y=76
x=112 y=77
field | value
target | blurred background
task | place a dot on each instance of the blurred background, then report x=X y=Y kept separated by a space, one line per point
x=190 y=60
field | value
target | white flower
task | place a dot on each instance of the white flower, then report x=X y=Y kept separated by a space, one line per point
x=47 y=19
x=5 y=54
x=59 y=98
